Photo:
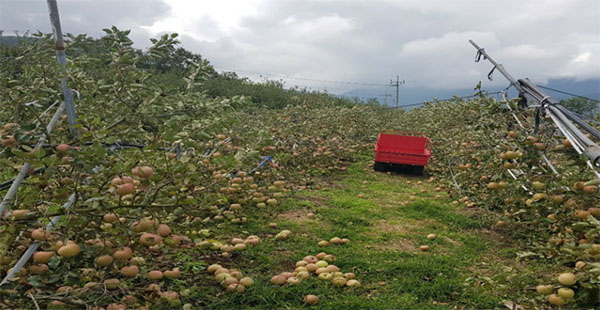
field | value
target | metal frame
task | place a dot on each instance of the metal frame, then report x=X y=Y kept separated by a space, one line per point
x=561 y=116
x=67 y=105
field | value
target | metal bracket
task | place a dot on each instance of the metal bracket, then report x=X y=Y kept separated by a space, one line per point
x=491 y=73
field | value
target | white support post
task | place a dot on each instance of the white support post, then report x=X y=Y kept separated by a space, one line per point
x=12 y=191
x=61 y=58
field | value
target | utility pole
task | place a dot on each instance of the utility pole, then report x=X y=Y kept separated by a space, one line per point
x=397 y=85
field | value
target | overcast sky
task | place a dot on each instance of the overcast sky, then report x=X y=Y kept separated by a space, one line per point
x=372 y=41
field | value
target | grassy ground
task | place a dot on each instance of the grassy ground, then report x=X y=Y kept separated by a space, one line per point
x=387 y=218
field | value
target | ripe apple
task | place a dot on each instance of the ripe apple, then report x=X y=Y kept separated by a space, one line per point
x=111 y=284
x=40 y=234
x=125 y=189
x=142 y=172
x=172 y=274
x=62 y=148
x=279 y=279
x=42 y=257
x=130 y=271
x=104 y=260
x=9 y=141
x=123 y=254
x=150 y=239
x=247 y=281
x=556 y=300
x=163 y=230
x=155 y=275
x=69 y=250
x=566 y=292
x=567 y=279
x=311 y=299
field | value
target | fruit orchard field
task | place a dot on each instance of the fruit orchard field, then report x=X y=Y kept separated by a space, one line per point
x=209 y=228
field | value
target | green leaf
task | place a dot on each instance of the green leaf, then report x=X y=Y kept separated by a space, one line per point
x=54 y=278
x=19 y=153
x=35 y=281
x=204 y=135
x=40 y=153
x=53 y=262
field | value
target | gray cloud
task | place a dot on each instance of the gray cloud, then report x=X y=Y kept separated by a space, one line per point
x=425 y=42
x=82 y=16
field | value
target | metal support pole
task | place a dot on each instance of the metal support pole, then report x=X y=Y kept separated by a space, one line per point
x=23 y=173
x=61 y=58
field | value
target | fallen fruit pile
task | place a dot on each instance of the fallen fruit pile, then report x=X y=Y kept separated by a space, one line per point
x=318 y=265
x=232 y=280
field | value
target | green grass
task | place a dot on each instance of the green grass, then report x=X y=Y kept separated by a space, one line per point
x=385 y=233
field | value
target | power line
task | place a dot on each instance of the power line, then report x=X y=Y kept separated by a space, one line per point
x=304 y=78
x=566 y=93
x=360 y=92
x=386 y=95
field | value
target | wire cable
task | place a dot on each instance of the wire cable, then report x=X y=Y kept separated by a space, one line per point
x=567 y=93
x=304 y=78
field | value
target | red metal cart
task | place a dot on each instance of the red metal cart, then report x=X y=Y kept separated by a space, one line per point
x=402 y=148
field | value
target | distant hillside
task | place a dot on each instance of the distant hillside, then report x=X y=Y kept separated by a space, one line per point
x=588 y=88
x=413 y=95
x=14 y=40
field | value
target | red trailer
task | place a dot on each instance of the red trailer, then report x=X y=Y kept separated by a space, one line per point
x=403 y=149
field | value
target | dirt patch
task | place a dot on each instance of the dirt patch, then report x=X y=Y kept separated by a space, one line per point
x=300 y=216
x=384 y=226
x=286 y=263
x=496 y=237
x=294 y=216
x=216 y=259
x=395 y=243
x=478 y=213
